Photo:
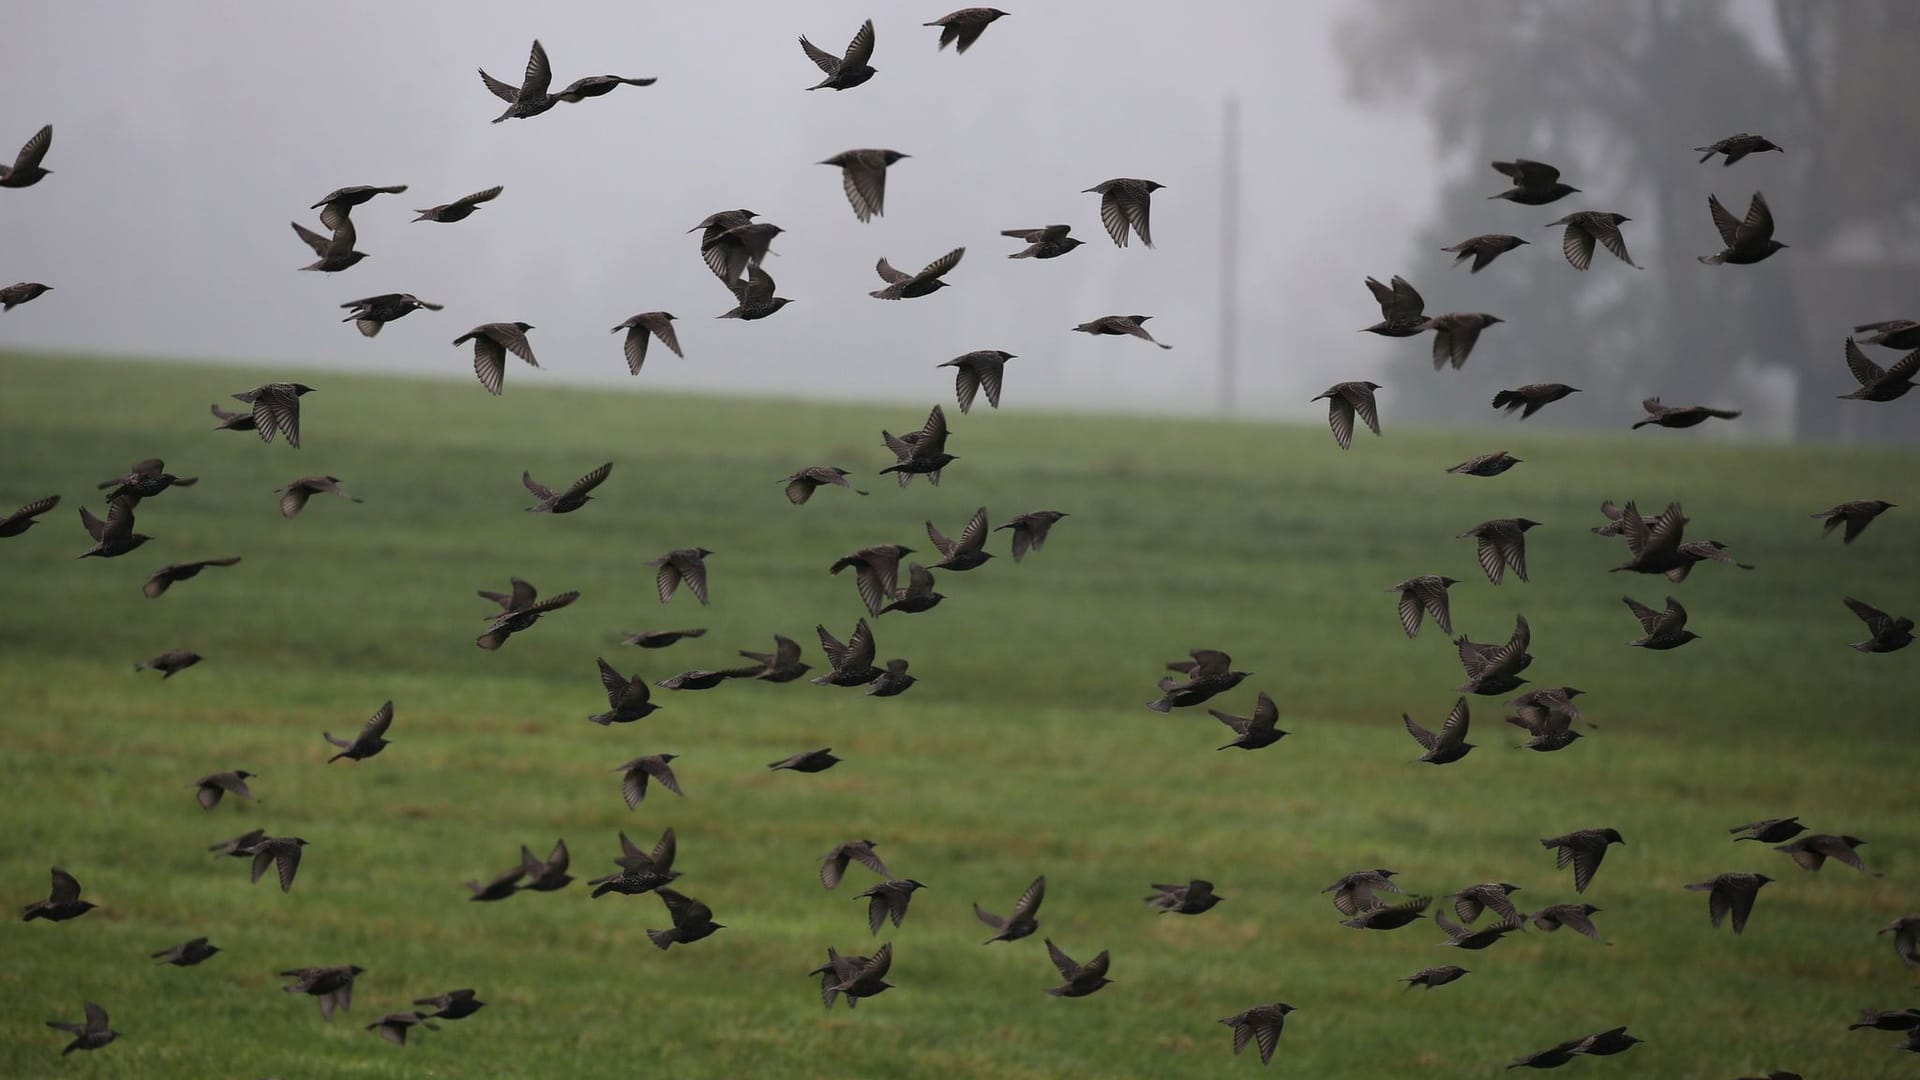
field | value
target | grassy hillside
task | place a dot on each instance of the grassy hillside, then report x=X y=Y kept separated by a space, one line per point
x=1023 y=750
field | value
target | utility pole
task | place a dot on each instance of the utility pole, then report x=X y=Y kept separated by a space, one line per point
x=1229 y=288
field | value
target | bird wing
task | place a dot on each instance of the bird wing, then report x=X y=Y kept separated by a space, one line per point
x=1577 y=244
x=663 y=772
x=1738 y=901
x=989 y=918
x=313 y=239
x=836 y=652
x=866 y=187
x=1239 y=724
x=1362 y=400
x=864 y=855
x=377 y=724
x=119 y=518
x=1865 y=371
x=825 y=61
x=1876 y=620
x=966 y=383
x=663 y=852
x=478 y=197
x=1586 y=861
x=1421 y=735
x=590 y=481
x=933 y=437
x=1062 y=962
x=860 y=651
x=989 y=377
x=1723 y=220
x=1531 y=173
x=860 y=49
x=1029 y=902
x=758 y=287
x=974 y=536
x=1758 y=227
x=1455 y=731
x=514 y=340
x=540 y=491
x=65 y=889
x=500 y=90
x=1340 y=419
x=615 y=683
x=663 y=329
x=94 y=526
x=1265 y=713
x=1649 y=618
x=35 y=150
x=489 y=363
x=1491 y=560
x=539 y=74
x=1113 y=215
x=1408 y=305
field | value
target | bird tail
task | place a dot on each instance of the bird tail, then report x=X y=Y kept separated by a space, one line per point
x=1703 y=157
x=1714 y=260
x=139 y=667
x=1160 y=706
x=604 y=719
x=660 y=938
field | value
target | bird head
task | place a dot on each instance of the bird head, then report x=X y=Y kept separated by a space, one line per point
x=1371 y=385
x=779 y=302
x=298 y=842
x=1068 y=243
x=1882 y=504
x=1507 y=886
x=301 y=389
x=892 y=156
x=1491 y=319
x=1284 y=1008
x=243 y=774
x=1153 y=185
x=703 y=552
x=1588 y=909
x=352 y=969
x=1761 y=879
x=1525 y=523
x=1446 y=582
x=1522 y=241
x=1613 y=836
x=1618 y=219
x=911 y=884
x=667 y=315
x=522 y=327
x=664 y=758
x=1003 y=355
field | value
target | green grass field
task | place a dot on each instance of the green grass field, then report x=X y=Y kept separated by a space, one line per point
x=1023 y=749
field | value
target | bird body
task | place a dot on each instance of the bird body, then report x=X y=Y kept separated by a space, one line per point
x=331 y=986
x=1735 y=147
x=1486 y=464
x=627 y=697
x=1680 y=416
x=1483 y=249
x=573 y=497
x=636 y=772
x=1502 y=546
x=1117 y=325
x=889 y=899
x=1196 y=897
x=1495 y=669
x=1534 y=183
x=692 y=920
x=848 y=70
x=170 y=663
x=833 y=865
x=876 y=572
x=211 y=787
x=904 y=286
x=26 y=170
x=21 y=292
x=459 y=209
x=1531 y=398
x=1747 y=241
x=962 y=28
x=966 y=552
x=1390 y=916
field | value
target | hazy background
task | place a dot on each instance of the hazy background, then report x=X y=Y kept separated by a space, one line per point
x=187 y=135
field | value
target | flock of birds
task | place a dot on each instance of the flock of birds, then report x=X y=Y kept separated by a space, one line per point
x=733 y=245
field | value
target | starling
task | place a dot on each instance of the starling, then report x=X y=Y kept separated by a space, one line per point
x=459 y=209
x=1030 y=530
x=1891 y=333
x=1353 y=893
x=920 y=454
x=1698 y=551
x=1538 y=707
x=370 y=741
x=1081 y=979
x=1047 y=242
x=889 y=898
x=1256 y=731
x=1343 y=401
x=1680 y=416
x=1531 y=398
x=147 y=479
x=964 y=27
x=1022 y=921
x=657 y=323
x=1194 y=898
x=170 y=663
x=21 y=292
x=499 y=888
x=1747 y=241
x=336 y=251
x=681 y=564
x=1770 y=830
x=1125 y=203
x=1877 y=383
x=838 y=969
x=863 y=173
x=659 y=639
x=115 y=536
x=187 y=953
x=1402 y=311
x=240 y=847
x=737 y=250
x=833 y=865
x=1857 y=515
x=1589 y=227
x=1534 y=183
x=1483 y=249
x=1575 y=917
x=847 y=71
x=1454 y=335
x=801 y=485
x=869 y=978
x=1428 y=978
x=692 y=920
x=1502 y=546
x=633 y=786
x=335 y=205
x=1551 y=1058
x=333 y=986
x=1549 y=729
x=1473 y=939
x=1262 y=1024
x=531 y=97
x=371 y=313
x=976 y=371
x=905 y=286
x=715 y=226
x=276 y=410
x=918 y=595
x=1731 y=893
x=853 y=663
x=1495 y=669
x=658 y=859
x=393 y=1027
x=491 y=344
x=564 y=502
x=1451 y=744
x=893 y=681
x=1887 y=1019
x=1208 y=673
x=1653 y=546
x=875 y=571
x=965 y=553
x=1427 y=593
x=627 y=698
x=1735 y=147
x=808 y=761
x=23 y=519
x=523 y=594
x=514 y=620
x=1390 y=916
x=1812 y=852
x=1494 y=896
x=26 y=170
x=280 y=852
x=93 y=1033
x=782 y=665
x=293 y=497
x=550 y=875
x=1116 y=325
x=1888 y=633
x=1906 y=939
x=232 y=421
x=1584 y=849
x=1660 y=630
x=754 y=296
x=62 y=903
x=1487 y=464
x=641 y=872
x=214 y=785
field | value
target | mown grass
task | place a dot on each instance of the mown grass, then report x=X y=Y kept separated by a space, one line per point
x=1023 y=750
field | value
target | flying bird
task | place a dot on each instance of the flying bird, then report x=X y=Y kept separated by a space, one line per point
x=186 y=954
x=491 y=344
x=521 y=617
x=1680 y=416
x=659 y=639
x=1584 y=849
x=1454 y=335
x=461 y=208
x=976 y=371
x=1731 y=894
x=1473 y=939
x=1575 y=917
x=1889 y=634
x=962 y=28
x=1502 y=546
x=627 y=697
x=656 y=323
x=889 y=899
x=754 y=296
x=1906 y=940
x=1878 y=383
x=332 y=986
x=863 y=173
x=21 y=292
x=1196 y=897
x=1428 y=978
x=1856 y=515
x=1494 y=896
x=876 y=571
x=371 y=313
x=836 y=971
x=280 y=852
x=1208 y=673
x=782 y=665
x=26 y=517
x=1046 y=242
x=852 y=662
x=833 y=865
x=1354 y=892
x=115 y=536
x=1389 y=916
x=293 y=497
x=1747 y=241
x=1343 y=401
x=1660 y=630
x=1125 y=203
x=1891 y=333
x=681 y=565
x=1427 y=593
x=549 y=874
x=212 y=786
x=25 y=170
x=1811 y=852
x=737 y=249
x=905 y=286
x=232 y=421
x=1256 y=731
x=968 y=551
x=1531 y=398
x=62 y=903
x=1116 y=325
x=921 y=453
x=394 y=1026
x=1030 y=530
x=1483 y=249
x=144 y=481
x=1402 y=310
x=1586 y=228
x=846 y=71
x=575 y=496
x=530 y=98
x=1080 y=979
x=808 y=761
x=336 y=205
x=593 y=86
x=868 y=979
x=1022 y=921
x=1736 y=147
x=801 y=485
x=1534 y=183
x=370 y=741
x=1495 y=669
x=1486 y=464
x=170 y=663
x=1450 y=745
x=1262 y=1025
x=636 y=773
x=335 y=252
x=276 y=410
x=500 y=887
x=1769 y=830
x=93 y=1032
x=1551 y=1058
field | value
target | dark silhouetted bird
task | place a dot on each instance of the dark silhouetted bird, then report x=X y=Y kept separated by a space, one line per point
x=22 y=292
x=641 y=871
x=1426 y=593
x=1403 y=313
x=869 y=978
x=25 y=170
x=371 y=313
x=1454 y=335
x=62 y=903
x=1208 y=673
x=1887 y=1020
x=1857 y=515
x=1735 y=147
x=1194 y=898
x=1353 y=893
x=837 y=970
x=1586 y=228
x=520 y=617
x=1680 y=416
x=22 y=519
x=335 y=205
x=1483 y=249
x=232 y=421
x=1891 y=333
x=889 y=899
x=1119 y=325
x=1534 y=183
x=633 y=784
x=1747 y=241
x=1731 y=893
x=922 y=453
x=1486 y=464
x=459 y=209
x=1575 y=917
x=1531 y=398
x=567 y=501
x=522 y=595
x=964 y=27
x=1889 y=633
x=453 y=1005
x=1906 y=940
x=904 y=286
x=1769 y=830
x=1694 y=552
x=1081 y=979
x=1494 y=896
x=659 y=639
x=1811 y=852
x=968 y=551
x=147 y=479
x=876 y=570
x=1878 y=383
x=335 y=251
x=1549 y=704
x=846 y=71
x=978 y=371
x=280 y=852
x=240 y=847
x=892 y=681
x=1126 y=203
x=627 y=698
x=1473 y=939
x=1428 y=978
x=1256 y=731
x=214 y=785
x=530 y=98
x=293 y=497
x=681 y=565
x=1502 y=546
x=1046 y=242
x=1495 y=669
x=115 y=536
x=801 y=485
x=737 y=250
x=657 y=323
x=370 y=741
x=1549 y=730
x=1653 y=547
x=1030 y=530
x=808 y=761
x=491 y=344
x=863 y=173
x=1343 y=401
x=1660 y=630
x=500 y=887
x=782 y=665
x=93 y=1032
x=394 y=1026
x=1022 y=921
x=170 y=663
x=712 y=229
x=186 y=954
x=1551 y=1058
x=550 y=874
x=333 y=986
x=1390 y=916
x=276 y=411
x=1261 y=1024
x=1584 y=849
x=692 y=920
x=754 y=297
x=833 y=865
x=1451 y=744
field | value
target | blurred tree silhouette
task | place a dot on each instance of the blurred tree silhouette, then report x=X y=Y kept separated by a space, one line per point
x=1615 y=94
